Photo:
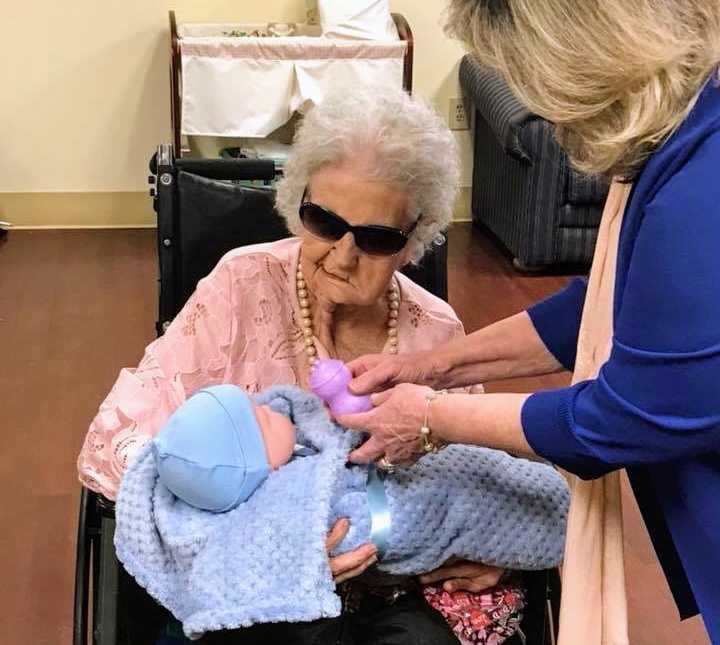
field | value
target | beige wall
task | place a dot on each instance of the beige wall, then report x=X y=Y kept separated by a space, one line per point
x=85 y=97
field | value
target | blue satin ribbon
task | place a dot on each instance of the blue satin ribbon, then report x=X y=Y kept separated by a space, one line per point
x=377 y=503
x=380 y=520
x=303 y=451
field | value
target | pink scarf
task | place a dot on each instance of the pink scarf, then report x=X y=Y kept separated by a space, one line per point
x=594 y=608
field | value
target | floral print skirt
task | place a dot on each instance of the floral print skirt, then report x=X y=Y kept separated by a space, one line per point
x=486 y=618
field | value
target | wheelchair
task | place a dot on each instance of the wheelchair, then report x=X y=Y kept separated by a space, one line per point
x=204 y=210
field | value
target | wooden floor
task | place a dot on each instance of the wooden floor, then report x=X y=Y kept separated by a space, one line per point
x=77 y=306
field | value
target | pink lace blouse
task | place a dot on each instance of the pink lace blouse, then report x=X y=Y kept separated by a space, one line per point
x=240 y=326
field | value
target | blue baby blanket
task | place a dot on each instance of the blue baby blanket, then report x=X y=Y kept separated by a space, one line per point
x=265 y=561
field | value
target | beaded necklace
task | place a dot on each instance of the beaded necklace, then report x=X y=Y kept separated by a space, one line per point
x=303 y=295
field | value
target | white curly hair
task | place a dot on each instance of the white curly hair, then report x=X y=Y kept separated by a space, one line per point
x=409 y=145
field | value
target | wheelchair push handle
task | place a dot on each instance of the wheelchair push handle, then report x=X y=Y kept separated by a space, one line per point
x=227 y=169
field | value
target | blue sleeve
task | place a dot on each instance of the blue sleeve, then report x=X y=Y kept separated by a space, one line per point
x=557 y=321
x=657 y=398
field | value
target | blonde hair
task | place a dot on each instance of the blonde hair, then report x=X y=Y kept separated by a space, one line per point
x=616 y=77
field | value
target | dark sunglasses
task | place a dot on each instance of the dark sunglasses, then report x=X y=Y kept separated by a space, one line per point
x=373 y=240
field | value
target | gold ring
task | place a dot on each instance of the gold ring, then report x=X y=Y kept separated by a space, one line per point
x=385 y=464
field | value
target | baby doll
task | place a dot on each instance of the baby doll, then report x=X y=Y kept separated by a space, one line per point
x=220 y=446
x=223 y=516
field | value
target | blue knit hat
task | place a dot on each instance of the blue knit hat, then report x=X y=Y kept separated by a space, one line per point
x=211 y=453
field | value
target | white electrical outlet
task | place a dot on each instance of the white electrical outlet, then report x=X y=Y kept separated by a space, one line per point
x=458 y=116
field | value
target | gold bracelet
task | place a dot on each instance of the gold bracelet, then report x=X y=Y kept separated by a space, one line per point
x=428 y=444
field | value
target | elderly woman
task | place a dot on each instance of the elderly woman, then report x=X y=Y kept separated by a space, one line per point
x=634 y=90
x=371 y=181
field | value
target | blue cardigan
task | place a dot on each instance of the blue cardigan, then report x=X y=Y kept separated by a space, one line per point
x=654 y=409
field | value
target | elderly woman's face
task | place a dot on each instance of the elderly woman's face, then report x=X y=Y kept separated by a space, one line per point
x=338 y=271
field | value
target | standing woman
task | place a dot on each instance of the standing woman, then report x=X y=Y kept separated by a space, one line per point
x=633 y=88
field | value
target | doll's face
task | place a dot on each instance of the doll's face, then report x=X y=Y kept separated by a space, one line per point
x=278 y=433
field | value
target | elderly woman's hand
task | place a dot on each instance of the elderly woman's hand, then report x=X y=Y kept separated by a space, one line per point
x=394 y=424
x=350 y=564
x=464 y=576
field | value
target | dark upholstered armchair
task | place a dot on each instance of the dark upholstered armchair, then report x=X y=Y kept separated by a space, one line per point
x=523 y=189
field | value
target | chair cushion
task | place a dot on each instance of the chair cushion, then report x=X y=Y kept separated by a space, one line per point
x=580 y=215
x=586 y=189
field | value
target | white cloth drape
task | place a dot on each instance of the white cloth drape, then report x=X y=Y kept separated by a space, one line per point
x=248 y=87
x=357 y=19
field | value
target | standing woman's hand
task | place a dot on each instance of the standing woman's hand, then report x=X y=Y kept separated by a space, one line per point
x=377 y=372
x=394 y=425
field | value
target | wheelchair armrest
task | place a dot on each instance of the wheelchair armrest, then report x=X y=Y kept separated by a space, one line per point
x=96 y=521
x=82 y=569
x=493 y=99
x=106 y=507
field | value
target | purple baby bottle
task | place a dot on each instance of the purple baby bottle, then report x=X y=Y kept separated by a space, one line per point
x=329 y=380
